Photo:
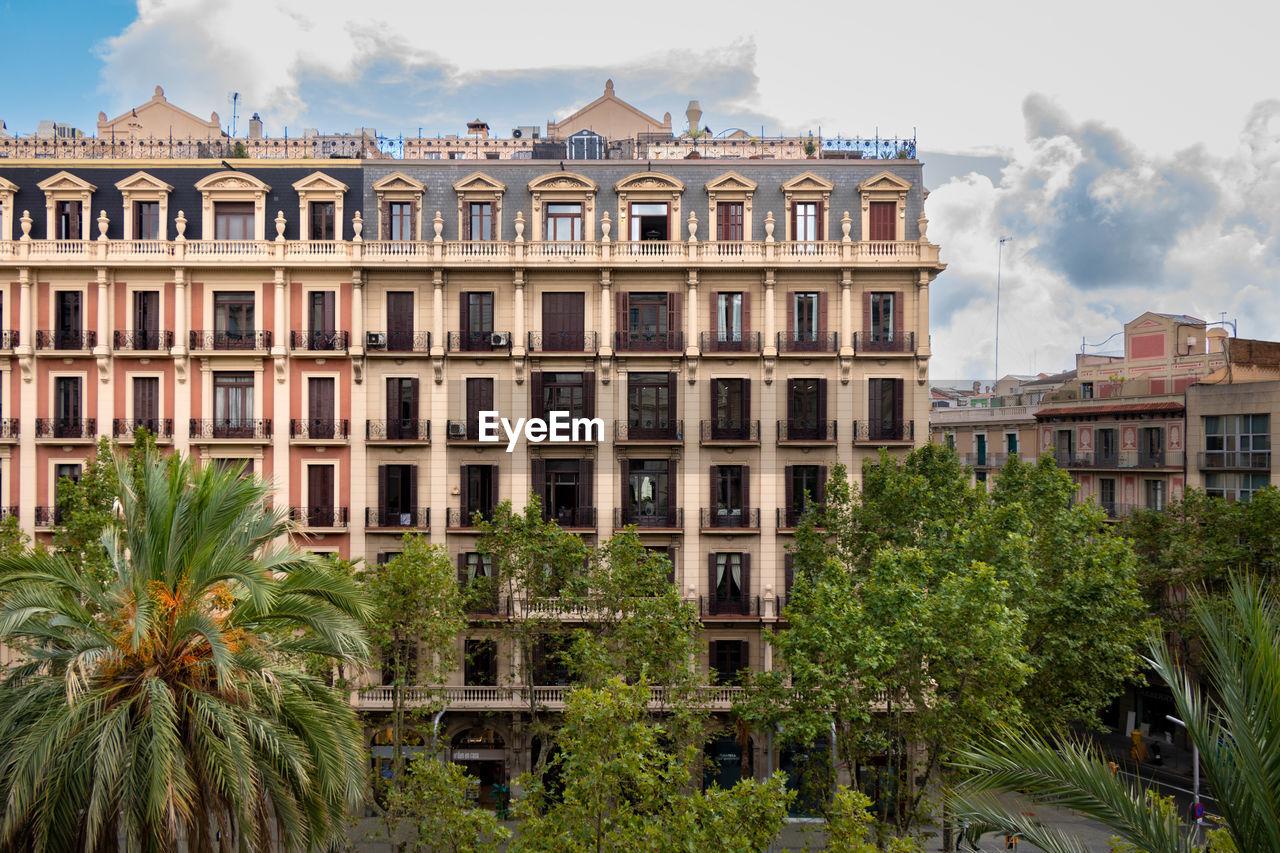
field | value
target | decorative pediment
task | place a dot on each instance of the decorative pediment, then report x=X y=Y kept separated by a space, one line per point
x=808 y=181
x=731 y=182
x=65 y=181
x=884 y=182
x=479 y=182
x=231 y=181
x=398 y=182
x=642 y=181
x=570 y=181
x=142 y=182
x=319 y=182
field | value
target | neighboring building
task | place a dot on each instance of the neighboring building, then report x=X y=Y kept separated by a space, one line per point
x=339 y=325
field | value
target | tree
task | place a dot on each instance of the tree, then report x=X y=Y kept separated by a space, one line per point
x=84 y=511
x=171 y=702
x=440 y=818
x=1236 y=727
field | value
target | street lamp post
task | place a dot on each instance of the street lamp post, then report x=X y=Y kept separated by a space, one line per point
x=1195 y=769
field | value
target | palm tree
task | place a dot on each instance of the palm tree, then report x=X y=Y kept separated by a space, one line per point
x=1235 y=723
x=169 y=706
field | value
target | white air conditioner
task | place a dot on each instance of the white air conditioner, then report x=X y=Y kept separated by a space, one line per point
x=375 y=340
x=457 y=429
x=500 y=339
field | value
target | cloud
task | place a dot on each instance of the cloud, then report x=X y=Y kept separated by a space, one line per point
x=1102 y=231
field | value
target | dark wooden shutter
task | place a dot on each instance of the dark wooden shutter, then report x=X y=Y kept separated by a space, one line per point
x=622 y=328
x=539 y=484
x=789 y=332
x=897 y=318
x=875 y=411
x=589 y=394
x=673 y=392
x=818 y=230
x=413 y=407
x=393 y=405
x=745 y=587
x=413 y=491
x=328 y=311
x=76 y=233
x=712 y=657
x=146 y=316
x=795 y=231
x=672 y=503
x=464 y=320
x=788 y=572
x=746 y=318
x=586 y=484
x=820 y=494
x=535 y=394
x=746 y=408
x=462 y=570
x=464 y=507
x=897 y=405
x=625 y=479
x=714 y=493
x=822 y=408
x=146 y=400
x=822 y=318
x=382 y=495
x=715 y=315
x=789 y=499
x=711 y=577
x=746 y=495
x=673 y=319
x=320 y=492
x=493 y=491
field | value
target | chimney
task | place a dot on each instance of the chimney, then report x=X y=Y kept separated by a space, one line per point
x=255 y=127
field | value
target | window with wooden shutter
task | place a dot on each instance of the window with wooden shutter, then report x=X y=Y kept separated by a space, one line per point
x=883 y=219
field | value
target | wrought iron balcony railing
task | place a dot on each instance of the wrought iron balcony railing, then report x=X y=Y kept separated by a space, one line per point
x=563 y=342
x=648 y=341
x=578 y=516
x=455 y=518
x=873 y=431
x=259 y=428
x=9 y=428
x=141 y=340
x=398 y=429
x=1242 y=460
x=48 y=516
x=66 y=427
x=66 y=340
x=415 y=517
x=249 y=339
x=895 y=341
x=789 y=516
x=729 y=605
x=743 y=518
x=808 y=341
x=729 y=341
x=479 y=342
x=399 y=341
x=319 y=429
x=9 y=339
x=648 y=430
x=319 y=341
x=806 y=429
x=729 y=429
x=670 y=517
x=319 y=516
x=127 y=427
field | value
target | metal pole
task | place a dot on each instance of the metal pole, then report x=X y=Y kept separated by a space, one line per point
x=999 y=263
x=1195 y=767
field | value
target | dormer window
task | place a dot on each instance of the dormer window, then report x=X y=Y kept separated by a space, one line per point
x=807 y=198
x=884 y=205
x=563 y=221
x=320 y=207
x=146 y=206
x=399 y=207
x=68 y=202
x=480 y=207
x=564 y=206
x=233 y=220
x=233 y=207
x=649 y=207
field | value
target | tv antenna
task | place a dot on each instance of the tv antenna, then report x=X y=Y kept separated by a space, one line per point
x=233 y=98
x=999 y=261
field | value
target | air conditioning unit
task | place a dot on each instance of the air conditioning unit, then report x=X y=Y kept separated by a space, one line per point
x=500 y=339
x=375 y=340
x=457 y=429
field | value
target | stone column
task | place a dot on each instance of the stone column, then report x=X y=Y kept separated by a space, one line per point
x=102 y=352
x=357 y=313
x=846 y=312
x=27 y=406
x=182 y=373
x=519 y=339
x=691 y=313
x=438 y=337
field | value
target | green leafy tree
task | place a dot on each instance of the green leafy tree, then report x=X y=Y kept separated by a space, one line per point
x=440 y=817
x=850 y=826
x=13 y=539
x=170 y=702
x=1235 y=725
x=84 y=511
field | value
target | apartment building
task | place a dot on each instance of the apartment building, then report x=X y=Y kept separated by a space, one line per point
x=737 y=328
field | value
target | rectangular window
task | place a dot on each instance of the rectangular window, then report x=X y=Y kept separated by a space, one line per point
x=480 y=491
x=651 y=402
x=400 y=337
x=479 y=221
x=233 y=321
x=1107 y=495
x=729 y=493
x=1063 y=447
x=146 y=220
x=884 y=413
x=322 y=220
x=398 y=495
x=563 y=322
x=730 y=409
x=728 y=660
x=882 y=317
x=233 y=220
x=730 y=582
x=807 y=221
x=806 y=320
x=1011 y=443
x=649 y=222
x=478 y=582
x=320 y=501
x=563 y=222
x=1237 y=441
x=729 y=321
x=883 y=220
x=322 y=319
x=1086 y=390
x=67 y=407
x=565 y=487
x=1155 y=494
x=729 y=221
x=233 y=405
x=480 y=669
x=479 y=399
x=146 y=403
x=1235 y=485
x=1108 y=447
x=806 y=484
x=477 y=321
x=402 y=408
x=1151 y=447
x=806 y=409
x=649 y=321
x=146 y=320
x=980 y=449
x=401 y=213
x=320 y=407
x=646 y=501
x=68 y=320
x=561 y=392
x=66 y=221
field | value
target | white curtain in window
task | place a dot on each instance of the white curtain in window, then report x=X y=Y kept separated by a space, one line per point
x=729 y=321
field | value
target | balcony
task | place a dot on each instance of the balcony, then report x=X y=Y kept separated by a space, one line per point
x=880 y=432
x=455 y=520
x=648 y=341
x=468 y=430
x=578 y=517
x=9 y=339
x=6 y=511
x=326 y=341
x=332 y=517
x=897 y=341
x=140 y=340
x=806 y=429
x=808 y=342
x=8 y=429
x=729 y=430
x=741 y=605
x=48 y=516
x=729 y=519
x=712 y=342
x=230 y=428
x=670 y=518
x=574 y=342
x=397 y=430
x=319 y=429
x=499 y=342
x=1235 y=460
x=718 y=697
x=788 y=517
x=409 y=519
x=393 y=342
x=67 y=428
x=125 y=428
x=66 y=340
x=1151 y=460
x=649 y=431
x=984 y=460
x=249 y=340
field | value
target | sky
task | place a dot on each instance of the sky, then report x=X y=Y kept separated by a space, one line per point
x=1130 y=150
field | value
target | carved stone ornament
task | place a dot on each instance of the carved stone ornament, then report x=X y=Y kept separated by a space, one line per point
x=846 y=224
x=923 y=224
x=357 y=228
x=605 y=227
x=768 y=227
x=102 y=224
x=693 y=227
x=437 y=224
x=280 y=226
x=25 y=222
x=519 y=223
x=180 y=225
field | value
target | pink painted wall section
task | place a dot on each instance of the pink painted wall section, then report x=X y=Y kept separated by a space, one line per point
x=1150 y=345
x=303 y=456
x=195 y=304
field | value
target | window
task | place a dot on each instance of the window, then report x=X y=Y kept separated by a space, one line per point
x=563 y=392
x=146 y=404
x=565 y=488
x=233 y=220
x=884 y=220
x=728 y=660
x=563 y=222
x=401 y=213
x=804 y=484
x=146 y=220
x=397 y=495
x=1107 y=495
x=882 y=318
x=651 y=405
x=1086 y=390
x=67 y=411
x=66 y=220
x=563 y=322
x=478 y=581
x=146 y=320
x=807 y=221
x=63 y=473
x=1237 y=441
x=480 y=667
x=321 y=321
x=729 y=221
x=322 y=219
x=729 y=582
x=1151 y=447
x=729 y=495
x=479 y=221
x=646 y=497
x=950 y=440
x=731 y=409
x=479 y=399
x=1011 y=443
x=1108 y=447
x=980 y=449
x=980 y=477
x=320 y=496
x=400 y=337
x=477 y=321
x=402 y=408
x=320 y=407
x=1155 y=494
x=806 y=410
x=1235 y=486
x=884 y=410
x=233 y=321
x=479 y=492
x=1062 y=447
x=649 y=221
x=233 y=405
x=68 y=320
x=806 y=321
x=649 y=321
x=728 y=317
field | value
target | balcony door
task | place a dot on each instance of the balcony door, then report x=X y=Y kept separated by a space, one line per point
x=730 y=580
x=803 y=485
x=322 y=220
x=233 y=405
x=233 y=320
x=67 y=412
x=320 y=496
x=806 y=409
x=400 y=320
x=146 y=403
x=479 y=491
x=883 y=220
x=402 y=407
x=320 y=406
x=731 y=409
x=146 y=319
x=565 y=488
x=68 y=320
x=479 y=399
x=646 y=499
x=321 y=319
x=729 y=484
x=649 y=221
x=66 y=221
x=477 y=321
x=563 y=322
x=398 y=494
x=651 y=405
x=885 y=409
